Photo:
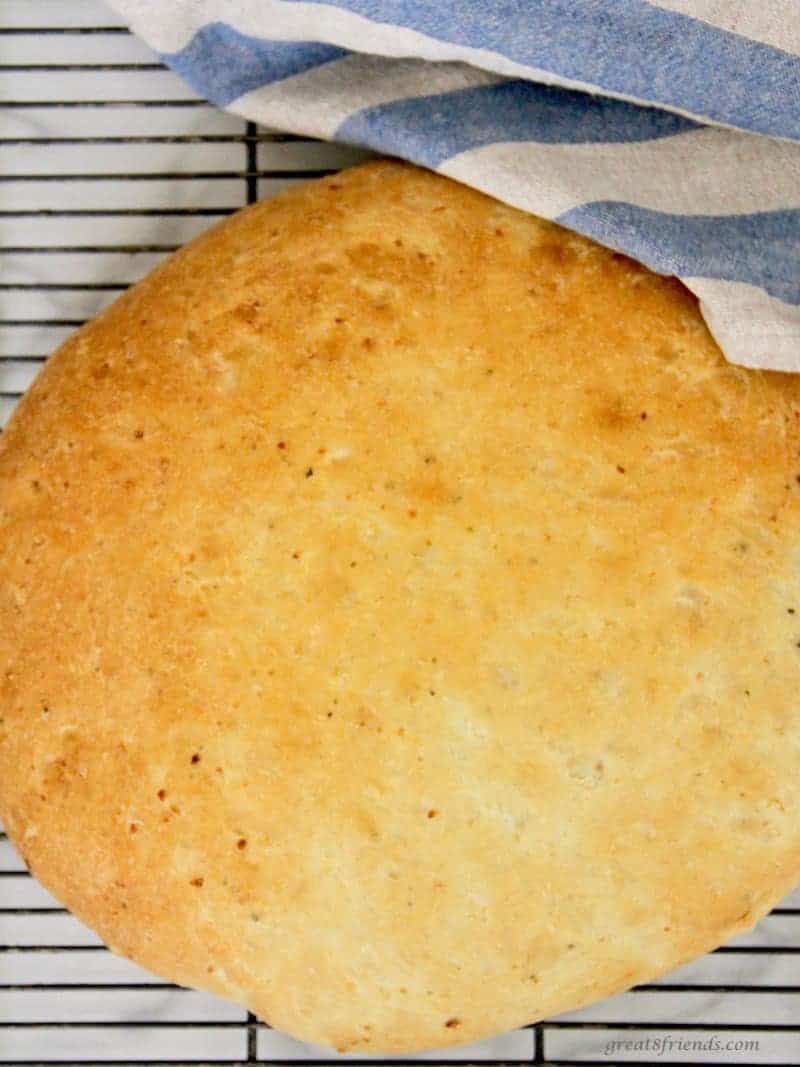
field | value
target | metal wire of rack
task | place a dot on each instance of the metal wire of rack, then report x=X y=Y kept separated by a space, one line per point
x=109 y=162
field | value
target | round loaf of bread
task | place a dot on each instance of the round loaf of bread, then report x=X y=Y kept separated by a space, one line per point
x=400 y=619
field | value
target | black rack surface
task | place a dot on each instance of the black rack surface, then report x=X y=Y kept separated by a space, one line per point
x=110 y=162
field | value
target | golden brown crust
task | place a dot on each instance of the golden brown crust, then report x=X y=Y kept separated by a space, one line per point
x=399 y=619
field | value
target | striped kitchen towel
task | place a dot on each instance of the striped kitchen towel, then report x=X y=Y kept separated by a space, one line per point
x=668 y=130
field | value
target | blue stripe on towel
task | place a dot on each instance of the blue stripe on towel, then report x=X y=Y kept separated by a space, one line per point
x=761 y=249
x=222 y=63
x=629 y=47
x=431 y=129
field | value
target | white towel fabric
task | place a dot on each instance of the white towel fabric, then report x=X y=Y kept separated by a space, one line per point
x=668 y=130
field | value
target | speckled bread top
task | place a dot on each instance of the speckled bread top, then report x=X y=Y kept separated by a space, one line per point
x=399 y=619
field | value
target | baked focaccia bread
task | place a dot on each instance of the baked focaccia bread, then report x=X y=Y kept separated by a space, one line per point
x=400 y=619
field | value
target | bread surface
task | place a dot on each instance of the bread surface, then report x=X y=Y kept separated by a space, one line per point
x=400 y=619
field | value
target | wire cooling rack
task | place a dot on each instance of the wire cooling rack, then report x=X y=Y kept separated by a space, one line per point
x=107 y=163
